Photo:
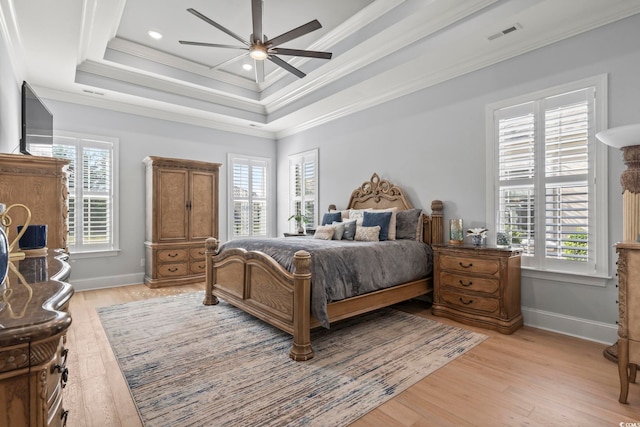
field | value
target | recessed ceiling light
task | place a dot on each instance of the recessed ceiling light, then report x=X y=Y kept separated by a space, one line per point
x=247 y=66
x=154 y=35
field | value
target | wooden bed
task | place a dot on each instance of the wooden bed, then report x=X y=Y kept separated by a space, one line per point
x=257 y=284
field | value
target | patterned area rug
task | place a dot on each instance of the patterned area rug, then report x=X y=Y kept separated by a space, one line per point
x=192 y=365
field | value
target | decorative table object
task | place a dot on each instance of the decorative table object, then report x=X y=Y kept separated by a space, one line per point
x=477 y=235
x=456 y=236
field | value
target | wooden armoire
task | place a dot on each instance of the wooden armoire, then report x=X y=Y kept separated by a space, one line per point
x=181 y=213
x=40 y=183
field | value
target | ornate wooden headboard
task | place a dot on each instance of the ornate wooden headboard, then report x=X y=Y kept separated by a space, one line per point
x=381 y=194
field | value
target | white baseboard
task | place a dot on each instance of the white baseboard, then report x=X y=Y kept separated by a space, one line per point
x=106 y=281
x=573 y=326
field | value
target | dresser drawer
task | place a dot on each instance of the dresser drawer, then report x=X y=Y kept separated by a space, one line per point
x=174 y=269
x=197 y=253
x=483 y=304
x=198 y=267
x=470 y=265
x=165 y=255
x=486 y=285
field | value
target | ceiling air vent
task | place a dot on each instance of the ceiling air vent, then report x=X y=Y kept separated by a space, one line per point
x=504 y=32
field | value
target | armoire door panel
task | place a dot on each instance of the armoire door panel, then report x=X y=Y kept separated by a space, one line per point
x=173 y=196
x=202 y=221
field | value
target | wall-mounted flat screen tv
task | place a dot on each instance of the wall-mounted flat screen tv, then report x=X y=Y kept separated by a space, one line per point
x=37 y=124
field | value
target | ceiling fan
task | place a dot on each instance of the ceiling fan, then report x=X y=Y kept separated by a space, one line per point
x=259 y=47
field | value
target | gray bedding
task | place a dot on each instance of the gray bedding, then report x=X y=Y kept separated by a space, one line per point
x=343 y=268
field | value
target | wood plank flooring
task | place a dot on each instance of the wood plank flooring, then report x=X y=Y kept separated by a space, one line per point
x=530 y=378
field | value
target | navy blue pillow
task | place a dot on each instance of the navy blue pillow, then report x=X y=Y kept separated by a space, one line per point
x=329 y=217
x=371 y=219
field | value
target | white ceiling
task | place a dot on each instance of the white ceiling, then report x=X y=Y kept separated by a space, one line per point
x=97 y=52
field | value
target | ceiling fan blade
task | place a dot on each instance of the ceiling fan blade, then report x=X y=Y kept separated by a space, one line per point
x=256 y=16
x=218 y=26
x=226 y=46
x=283 y=64
x=259 y=68
x=295 y=33
x=298 y=52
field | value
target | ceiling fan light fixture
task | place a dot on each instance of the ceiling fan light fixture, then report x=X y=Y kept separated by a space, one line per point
x=258 y=52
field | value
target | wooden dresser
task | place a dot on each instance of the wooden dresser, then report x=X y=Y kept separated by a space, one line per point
x=182 y=212
x=478 y=286
x=629 y=315
x=40 y=183
x=34 y=318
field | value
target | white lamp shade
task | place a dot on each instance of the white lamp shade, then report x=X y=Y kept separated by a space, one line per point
x=623 y=136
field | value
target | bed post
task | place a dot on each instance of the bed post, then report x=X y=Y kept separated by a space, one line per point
x=210 y=249
x=301 y=349
x=437 y=228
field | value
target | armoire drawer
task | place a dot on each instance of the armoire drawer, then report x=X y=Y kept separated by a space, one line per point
x=197 y=253
x=173 y=269
x=198 y=267
x=172 y=255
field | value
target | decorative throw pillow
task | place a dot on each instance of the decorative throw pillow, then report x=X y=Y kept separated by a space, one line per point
x=344 y=213
x=357 y=214
x=382 y=219
x=339 y=230
x=330 y=217
x=408 y=223
x=392 y=222
x=324 y=232
x=367 y=234
x=349 y=229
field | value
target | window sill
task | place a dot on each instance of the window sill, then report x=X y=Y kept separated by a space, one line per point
x=560 y=276
x=94 y=254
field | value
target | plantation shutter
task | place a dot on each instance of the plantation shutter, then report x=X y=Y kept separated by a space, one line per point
x=543 y=149
x=303 y=187
x=566 y=144
x=250 y=214
x=96 y=195
x=91 y=193
x=516 y=171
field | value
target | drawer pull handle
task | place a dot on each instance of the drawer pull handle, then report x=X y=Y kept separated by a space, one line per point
x=173 y=270
x=201 y=267
x=172 y=255
x=64 y=374
x=63 y=416
x=466 y=284
x=465 y=302
x=466 y=265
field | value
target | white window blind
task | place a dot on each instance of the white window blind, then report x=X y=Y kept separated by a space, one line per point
x=249 y=198
x=303 y=187
x=545 y=181
x=91 y=182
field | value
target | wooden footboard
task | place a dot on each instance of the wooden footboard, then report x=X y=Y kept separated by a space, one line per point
x=255 y=283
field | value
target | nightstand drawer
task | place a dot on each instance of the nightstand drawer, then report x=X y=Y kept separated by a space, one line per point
x=470 y=265
x=176 y=269
x=471 y=283
x=473 y=302
x=165 y=255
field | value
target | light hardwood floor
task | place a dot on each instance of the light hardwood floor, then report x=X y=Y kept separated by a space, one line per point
x=530 y=378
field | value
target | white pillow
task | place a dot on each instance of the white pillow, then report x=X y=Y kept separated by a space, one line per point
x=368 y=234
x=324 y=232
x=358 y=215
x=339 y=230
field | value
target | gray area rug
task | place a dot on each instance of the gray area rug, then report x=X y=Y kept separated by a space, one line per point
x=192 y=365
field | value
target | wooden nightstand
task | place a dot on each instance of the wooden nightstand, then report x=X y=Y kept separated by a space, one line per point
x=478 y=286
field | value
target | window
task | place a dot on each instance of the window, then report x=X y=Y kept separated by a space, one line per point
x=303 y=187
x=544 y=163
x=249 y=196
x=92 y=191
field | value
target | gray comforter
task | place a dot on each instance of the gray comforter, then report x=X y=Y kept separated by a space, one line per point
x=344 y=268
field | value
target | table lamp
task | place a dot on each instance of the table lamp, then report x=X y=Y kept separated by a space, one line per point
x=627 y=139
